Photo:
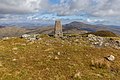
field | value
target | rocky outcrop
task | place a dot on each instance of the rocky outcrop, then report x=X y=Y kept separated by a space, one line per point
x=98 y=41
x=30 y=37
x=110 y=58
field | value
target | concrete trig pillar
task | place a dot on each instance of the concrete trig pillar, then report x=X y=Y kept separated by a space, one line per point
x=58 y=29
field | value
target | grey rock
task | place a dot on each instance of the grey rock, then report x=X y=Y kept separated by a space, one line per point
x=77 y=75
x=25 y=36
x=6 y=38
x=98 y=41
x=32 y=39
x=91 y=35
x=111 y=58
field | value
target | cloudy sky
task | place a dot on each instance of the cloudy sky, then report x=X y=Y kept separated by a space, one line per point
x=89 y=11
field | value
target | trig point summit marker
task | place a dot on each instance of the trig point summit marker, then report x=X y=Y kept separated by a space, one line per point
x=58 y=29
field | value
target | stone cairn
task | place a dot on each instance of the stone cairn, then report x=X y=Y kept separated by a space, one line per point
x=58 y=29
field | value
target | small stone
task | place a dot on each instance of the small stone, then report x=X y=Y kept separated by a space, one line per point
x=1 y=64
x=111 y=58
x=91 y=35
x=56 y=58
x=77 y=75
x=23 y=44
x=96 y=43
x=25 y=36
x=6 y=38
x=47 y=44
x=14 y=59
x=101 y=43
x=76 y=40
x=47 y=69
x=117 y=41
x=40 y=39
x=58 y=53
x=15 y=48
x=49 y=56
x=107 y=44
x=117 y=47
x=68 y=58
x=32 y=39
x=15 y=53
x=99 y=75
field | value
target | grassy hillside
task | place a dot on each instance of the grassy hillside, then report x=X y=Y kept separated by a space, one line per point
x=104 y=33
x=50 y=58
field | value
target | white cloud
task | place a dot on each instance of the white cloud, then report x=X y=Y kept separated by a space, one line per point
x=107 y=8
x=70 y=7
x=22 y=6
x=98 y=8
x=65 y=7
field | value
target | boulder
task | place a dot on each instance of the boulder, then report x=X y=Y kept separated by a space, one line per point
x=91 y=35
x=77 y=75
x=6 y=38
x=25 y=36
x=110 y=58
x=32 y=39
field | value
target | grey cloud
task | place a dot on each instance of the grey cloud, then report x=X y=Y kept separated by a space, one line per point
x=98 y=8
x=70 y=7
x=22 y=6
x=107 y=8
x=65 y=7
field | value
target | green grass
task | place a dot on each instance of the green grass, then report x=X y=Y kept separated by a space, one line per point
x=39 y=60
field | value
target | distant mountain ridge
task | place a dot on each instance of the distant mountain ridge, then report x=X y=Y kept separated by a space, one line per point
x=12 y=31
x=2 y=26
x=73 y=27
x=91 y=28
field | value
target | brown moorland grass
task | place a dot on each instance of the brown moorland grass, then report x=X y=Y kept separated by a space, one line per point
x=56 y=59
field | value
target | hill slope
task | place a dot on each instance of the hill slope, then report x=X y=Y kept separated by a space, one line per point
x=56 y=59
x=12 y=31
x=90 y=28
